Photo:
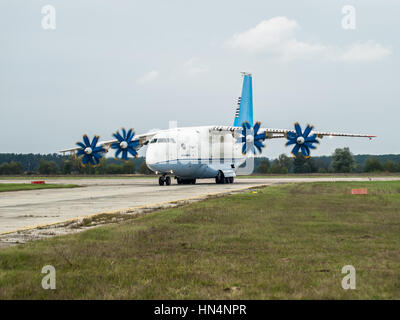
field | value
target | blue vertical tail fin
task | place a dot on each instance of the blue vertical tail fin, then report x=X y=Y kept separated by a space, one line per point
x=244 y=111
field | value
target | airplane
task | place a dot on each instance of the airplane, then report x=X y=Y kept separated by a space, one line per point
x=217 y=152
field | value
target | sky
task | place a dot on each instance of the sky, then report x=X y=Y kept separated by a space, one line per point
x=141 y=64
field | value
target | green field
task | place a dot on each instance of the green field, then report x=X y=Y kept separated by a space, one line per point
x=27 y=186
x=282 y=242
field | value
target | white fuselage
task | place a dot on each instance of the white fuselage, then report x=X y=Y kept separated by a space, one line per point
x=194 y=152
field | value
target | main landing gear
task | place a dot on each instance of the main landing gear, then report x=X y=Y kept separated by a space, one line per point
x=167 y=180
x=164 y=179
x=185 y=181
x=220 y=178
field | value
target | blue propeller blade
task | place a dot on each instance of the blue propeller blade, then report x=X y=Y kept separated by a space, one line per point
x=307 y=131
x=298 y=129
x=90 y=152
x=302 y=140
x=80 y=144
x=85 y=159
x=295 y=149
x=257 y=138
x=86 y=140
x=118 y=152
x=130 y=135
x=94 y=142
x=134 y=144
x=132 y=152
x=310 y=145
x=305 y=150
x=125 y=145
x=118 y=136
x=291 y=135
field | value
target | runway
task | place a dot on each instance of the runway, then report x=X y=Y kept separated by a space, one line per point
x=28 y=209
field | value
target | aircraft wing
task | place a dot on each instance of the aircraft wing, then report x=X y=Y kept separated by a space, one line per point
x=282 y=133
x=302 y=141
x=143 y=139
x=272 y=133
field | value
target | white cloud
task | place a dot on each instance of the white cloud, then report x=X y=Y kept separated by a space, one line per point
x=149 y=77
x=368 y=51
x=266 y=36
x=192 y=67
x=277 y=37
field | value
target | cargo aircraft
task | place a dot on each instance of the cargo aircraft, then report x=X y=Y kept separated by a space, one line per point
x=215 y=151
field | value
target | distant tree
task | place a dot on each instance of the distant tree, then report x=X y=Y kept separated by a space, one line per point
x=129 y=167
x=322 y=163
x=102 y=167
x=114 y=168
x=4 y=168
x=302 y=164
x=143 y=169
x=390 y=166
x=67 y=166
x=299 y=164
x=358 y=168
x=276 y=168
x=48 y=167
x=285 y=163
x=16 y=168
x=281 y=165
x=80 y=168
x=264 y=166
x=342 y=160
x=372 y=164
x=11 y=168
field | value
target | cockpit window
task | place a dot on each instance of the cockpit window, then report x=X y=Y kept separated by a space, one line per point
x=163 y=140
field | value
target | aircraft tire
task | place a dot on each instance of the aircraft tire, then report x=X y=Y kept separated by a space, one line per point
x=219 y=179
x=161 y=181
x=168 y=180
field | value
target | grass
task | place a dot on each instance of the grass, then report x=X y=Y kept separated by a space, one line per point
x=321 y=175
x=284 y=242
x=26 y=186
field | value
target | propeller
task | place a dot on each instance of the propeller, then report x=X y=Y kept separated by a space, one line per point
x=125 y=144
x=90 y=152
x=251 y=139
x=302 y=140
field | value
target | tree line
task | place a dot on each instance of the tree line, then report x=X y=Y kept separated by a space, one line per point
x=55 y=164
x=341 y=161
